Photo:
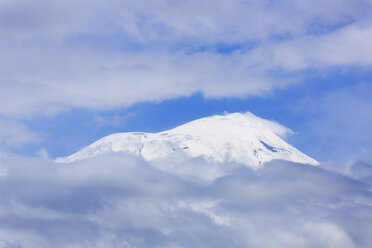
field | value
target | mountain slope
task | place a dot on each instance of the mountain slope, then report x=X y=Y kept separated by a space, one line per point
x=242 y=138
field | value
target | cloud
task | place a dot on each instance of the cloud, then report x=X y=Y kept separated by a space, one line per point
x=361 y=170
x=345 y=46
x=90 y=54
x=122 y=201
x=13 y=133
x=115 y=121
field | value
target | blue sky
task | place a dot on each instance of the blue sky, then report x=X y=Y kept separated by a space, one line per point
x=75 y=71
x=296 y=107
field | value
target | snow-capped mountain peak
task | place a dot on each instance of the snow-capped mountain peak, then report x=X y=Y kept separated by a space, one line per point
x=242 y=138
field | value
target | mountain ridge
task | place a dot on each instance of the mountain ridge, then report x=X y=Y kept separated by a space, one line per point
x=242 y=138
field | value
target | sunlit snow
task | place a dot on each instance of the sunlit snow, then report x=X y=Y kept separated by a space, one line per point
x=242 y=138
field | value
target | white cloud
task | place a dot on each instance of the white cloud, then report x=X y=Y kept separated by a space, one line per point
x=346 y=46
x=92 y=54
x=121 y=201
x=43 y=153
x=13 y=133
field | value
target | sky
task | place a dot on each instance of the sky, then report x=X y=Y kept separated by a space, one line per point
x=72 y=72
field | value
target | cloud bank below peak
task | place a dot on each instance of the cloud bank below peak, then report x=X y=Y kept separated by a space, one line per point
x=94 y=55
x=122 y=201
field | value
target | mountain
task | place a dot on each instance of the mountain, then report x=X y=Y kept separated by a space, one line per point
x=242 y=138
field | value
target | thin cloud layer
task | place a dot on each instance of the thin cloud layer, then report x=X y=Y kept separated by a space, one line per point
x=14 y=133
x=120 y=201
x=103 y=55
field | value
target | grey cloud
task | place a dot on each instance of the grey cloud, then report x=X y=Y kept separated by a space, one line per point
x=119 y=201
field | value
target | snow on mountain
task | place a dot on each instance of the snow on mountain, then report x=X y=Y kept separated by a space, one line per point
x=242 y=138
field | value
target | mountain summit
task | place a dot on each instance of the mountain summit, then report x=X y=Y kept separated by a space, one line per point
x=242 y=138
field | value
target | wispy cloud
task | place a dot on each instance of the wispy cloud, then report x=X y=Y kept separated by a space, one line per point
x=13 y=133
x=99 y=55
